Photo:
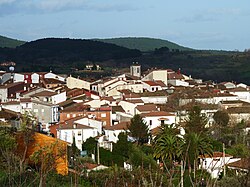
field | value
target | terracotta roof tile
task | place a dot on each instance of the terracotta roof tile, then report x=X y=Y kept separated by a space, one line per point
x=159 y=113
x=120 y=126
x=244 y=163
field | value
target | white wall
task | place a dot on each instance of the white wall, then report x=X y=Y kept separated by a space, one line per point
x=155 y=99
x=178 y=83
x=4 y=94
x=92 y=123
x=12 y=107
x=54 y=76
x=58 y=98
x=156 y=122
x=243 y=96
x=81 y=135
x=18 y=77
x=128 y=107
x=77 y=83
x=112 y=135
x=35 y=78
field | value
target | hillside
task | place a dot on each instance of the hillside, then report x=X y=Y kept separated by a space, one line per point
x=63 y=54
x=143 y=44
x=70 y=55
x=8 y=42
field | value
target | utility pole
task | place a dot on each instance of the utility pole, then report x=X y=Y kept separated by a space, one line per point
x=224 y=168
x=98 y=153
x=182 y=174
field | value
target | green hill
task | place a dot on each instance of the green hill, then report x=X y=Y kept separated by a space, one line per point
x=8 y=42
x=143 y=44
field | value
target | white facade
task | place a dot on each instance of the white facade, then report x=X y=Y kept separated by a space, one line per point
x=51 y=75
x=112 y=135
x=151 y=88
x=135 y=70
x=156 y=121
x=81 y=135
x=129 y=107
x=58 y=98
x=178 y=83
x=3 y=94
x=16 y=107
x=91 y=123
x=35 y=78
x=155 y=99
x=77 y=83
x=214 y=165
x=242 y=95
x=18 y=77
x=161 y=75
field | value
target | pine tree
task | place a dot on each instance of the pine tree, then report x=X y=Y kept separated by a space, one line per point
x=139 y=129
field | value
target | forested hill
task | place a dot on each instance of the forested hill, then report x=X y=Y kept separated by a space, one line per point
x=64 y=51
x=8 y=42
x=144 y=44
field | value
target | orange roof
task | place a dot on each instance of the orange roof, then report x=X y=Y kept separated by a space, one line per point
x=155 y=130
x=215 y=155
x=244 y=163
x=43 y=94
x=158 y=113
x=120 y=126
x=151 y=83
x=149 y=107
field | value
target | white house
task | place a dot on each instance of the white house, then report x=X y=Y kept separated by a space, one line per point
x=130 y=105
x=77 y=83
x=80 y=132
x=155 y=119
x=53 y=76
x=151 y=86
x=112 y=132
x=159 y=75
x=242 y=93
x=214 y=164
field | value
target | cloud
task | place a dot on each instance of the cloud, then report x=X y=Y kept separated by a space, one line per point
x=2 y=2
x=50 y=6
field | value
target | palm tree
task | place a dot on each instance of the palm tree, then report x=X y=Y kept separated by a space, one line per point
x=167 y=148
x=195 y=145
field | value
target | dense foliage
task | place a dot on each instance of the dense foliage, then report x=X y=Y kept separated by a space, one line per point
x=143 y=44
x=69 y=56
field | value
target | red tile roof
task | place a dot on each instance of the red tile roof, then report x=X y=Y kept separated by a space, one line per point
x=148 y=107
x=215 y=155
x=159 y=113
x=120 y=126
x=244 y=163
x=43 y=94
x=151 y=83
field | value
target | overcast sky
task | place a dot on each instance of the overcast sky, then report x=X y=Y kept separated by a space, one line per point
x=200 y=24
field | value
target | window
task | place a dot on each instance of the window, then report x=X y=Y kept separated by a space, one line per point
x=74 y=115
x=103 y=115
x=68 y=115
x=79 y=133
x=42 y=110
x=35 y=110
